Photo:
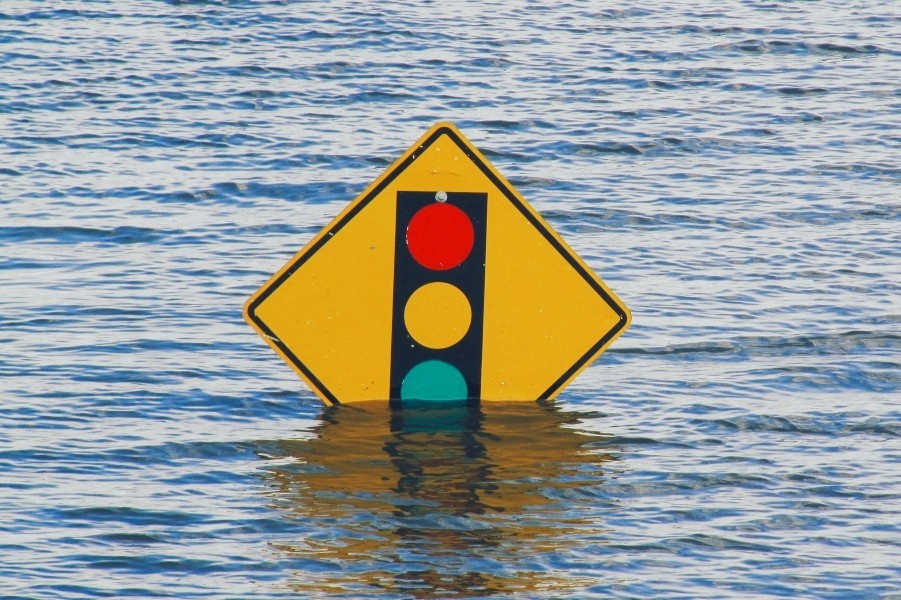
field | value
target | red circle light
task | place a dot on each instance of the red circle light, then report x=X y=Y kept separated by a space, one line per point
x=440 y=236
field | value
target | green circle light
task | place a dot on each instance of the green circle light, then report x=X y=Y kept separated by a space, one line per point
x=434 y=380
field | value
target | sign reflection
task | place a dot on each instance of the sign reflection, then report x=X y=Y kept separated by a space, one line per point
x=431 y=501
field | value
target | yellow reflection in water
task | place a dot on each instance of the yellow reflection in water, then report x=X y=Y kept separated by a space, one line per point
x=433 y=502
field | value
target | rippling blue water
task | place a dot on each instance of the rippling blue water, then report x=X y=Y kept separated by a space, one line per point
x=731 y=169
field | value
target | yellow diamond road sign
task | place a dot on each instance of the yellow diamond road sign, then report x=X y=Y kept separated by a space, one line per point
x=438 y=283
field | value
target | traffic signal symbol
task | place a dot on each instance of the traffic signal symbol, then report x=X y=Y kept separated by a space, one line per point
x=439 y=296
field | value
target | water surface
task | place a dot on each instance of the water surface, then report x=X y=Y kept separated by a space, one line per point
x=731 y=171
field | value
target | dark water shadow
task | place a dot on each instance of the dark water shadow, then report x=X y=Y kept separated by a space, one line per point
x=438 y=502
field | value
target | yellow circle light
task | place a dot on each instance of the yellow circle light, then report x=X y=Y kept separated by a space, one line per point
x=437 y=315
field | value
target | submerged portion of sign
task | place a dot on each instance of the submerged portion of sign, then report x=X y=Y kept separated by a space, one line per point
x=438 y=283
